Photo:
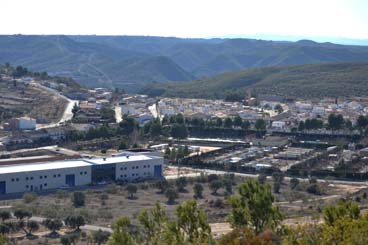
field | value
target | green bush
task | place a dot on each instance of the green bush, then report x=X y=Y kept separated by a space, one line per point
x=29 y=197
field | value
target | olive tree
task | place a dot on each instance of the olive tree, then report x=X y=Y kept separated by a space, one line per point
x=253 y=207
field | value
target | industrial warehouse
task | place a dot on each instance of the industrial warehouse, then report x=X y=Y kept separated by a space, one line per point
x=126 y=166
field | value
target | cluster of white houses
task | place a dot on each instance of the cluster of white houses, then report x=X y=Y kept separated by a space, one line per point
x=71 y=173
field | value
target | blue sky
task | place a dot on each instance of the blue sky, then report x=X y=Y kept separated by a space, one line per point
x=187 y=18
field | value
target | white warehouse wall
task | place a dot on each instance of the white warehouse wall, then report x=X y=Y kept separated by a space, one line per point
x=22 y=181
x=137 y=169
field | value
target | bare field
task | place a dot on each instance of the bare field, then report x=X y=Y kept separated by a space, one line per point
x=104 y=205
x=31 y=101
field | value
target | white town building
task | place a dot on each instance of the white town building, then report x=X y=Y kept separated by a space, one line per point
x=278 y=124
x=318 y=111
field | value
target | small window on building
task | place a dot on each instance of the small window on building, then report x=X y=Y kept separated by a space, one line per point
x=40 y=177
x=125 y=175
x=12 y=180
x=45 y=184
x=45 y=176
x=85 y=172
x=144 y=166
x=137 y=167
x=125 y=168
x=26 y=178
x=121 y=168
x=81 y=173
x=148 y=166
x=133 y=167
x=27 y=186
x=54 y=175
x=17 y=179
x=31 y=178
x=59 y=175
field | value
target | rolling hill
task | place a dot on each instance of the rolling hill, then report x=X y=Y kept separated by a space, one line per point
x=90 y=64
x=207 y=57
x=305 y=81
x=132 y=62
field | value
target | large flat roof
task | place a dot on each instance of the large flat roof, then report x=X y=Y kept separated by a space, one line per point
x=119 y=159
x=18 y=168
x=42 y=166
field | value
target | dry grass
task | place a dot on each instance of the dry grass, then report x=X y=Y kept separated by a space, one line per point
x=31 y=101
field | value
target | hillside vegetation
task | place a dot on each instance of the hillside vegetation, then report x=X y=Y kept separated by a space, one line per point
x=18 y=99
x=131 y=62
x=206 y=57
x=306 y=81
x=90 y=64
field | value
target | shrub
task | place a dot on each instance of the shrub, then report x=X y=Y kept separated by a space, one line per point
x=78 y=199
x=314 y=189
x=198 y=189
x=100 y=236
x=69 y=239
x=181 y=183
x=29 y=197
x=313 y=180
x=212 y=177
x=4 y=215
x=294 y=182
x=112 y=189
x=162 y=186
x=132 y=189
x=171 y=194
x=75 y=221
x=215 y=185
x=228 y=184
x=219 y=203
x=53 y=225
x=60 y=194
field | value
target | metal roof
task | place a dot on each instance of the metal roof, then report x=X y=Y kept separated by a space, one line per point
x=118 y=159
x=30 y=167
x=42 y=166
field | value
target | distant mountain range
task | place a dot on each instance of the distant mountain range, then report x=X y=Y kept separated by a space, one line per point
x=132 y=62
x=301 y=81
x=293 y=38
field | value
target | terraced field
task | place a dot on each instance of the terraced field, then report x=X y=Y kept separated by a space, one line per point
x=19 y=99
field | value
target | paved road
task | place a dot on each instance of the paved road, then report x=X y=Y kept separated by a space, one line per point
x=118 y=115
x=153 y=110
x=96 y=228
x=37 y=219
x=84 y=227
x=67 y=115
x=6 y=207
x=28 y=150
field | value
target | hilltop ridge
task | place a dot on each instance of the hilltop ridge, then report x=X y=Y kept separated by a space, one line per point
x=304 y=81
x=131 y=62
